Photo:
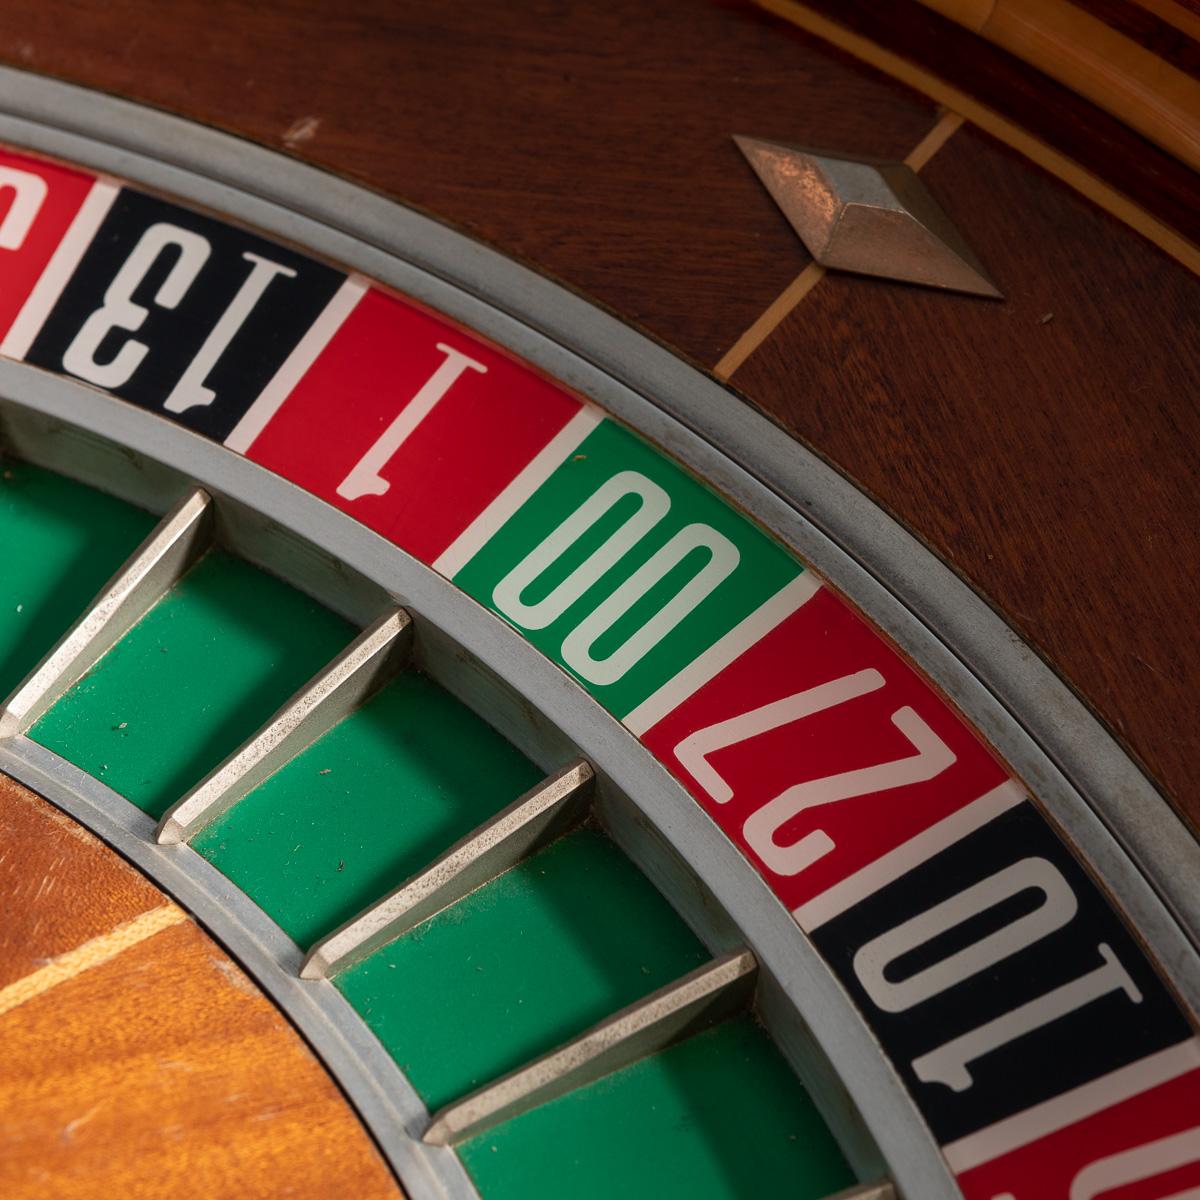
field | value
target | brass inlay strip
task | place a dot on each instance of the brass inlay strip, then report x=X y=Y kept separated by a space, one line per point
x=93 y=953
x=1091 y=58
x=1084 y=182
x=933 y=141
x=770 y=318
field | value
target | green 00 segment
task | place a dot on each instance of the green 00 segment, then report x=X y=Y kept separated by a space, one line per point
x=623 y=568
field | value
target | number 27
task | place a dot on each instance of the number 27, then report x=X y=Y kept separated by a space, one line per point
x=932 y=757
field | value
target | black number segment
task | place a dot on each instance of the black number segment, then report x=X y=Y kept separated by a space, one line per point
x=181 y=314
x=996 y=976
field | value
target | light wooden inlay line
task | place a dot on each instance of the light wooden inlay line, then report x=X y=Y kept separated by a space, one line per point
x=808 y=279
x=933 y=141
x=93 y=953
x=771 y=316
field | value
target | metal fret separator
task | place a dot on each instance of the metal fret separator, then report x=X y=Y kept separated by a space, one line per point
x=378 y=654
x=172 y=548
x=881 y=1189
x=701 y=998
x=535 y=819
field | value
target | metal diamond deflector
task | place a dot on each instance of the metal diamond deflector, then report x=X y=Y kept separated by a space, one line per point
x=868 y=216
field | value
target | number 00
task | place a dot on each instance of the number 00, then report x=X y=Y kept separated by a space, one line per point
x=721 y=560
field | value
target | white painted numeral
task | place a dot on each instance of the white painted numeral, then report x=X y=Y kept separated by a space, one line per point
x=190 y=391
x=932 y=758
x=120 y=312
x=722 y=558
x=1138 y=1164
x=1058 y=906
x=365 y=479
x=29 y=193
x=653 y=507
x=694 y=750
x=948 y=1063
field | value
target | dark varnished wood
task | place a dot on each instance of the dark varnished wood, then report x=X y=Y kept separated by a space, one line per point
x=1046 y=446
x=590 y=139
x=1049 y=463
x=1089 y=136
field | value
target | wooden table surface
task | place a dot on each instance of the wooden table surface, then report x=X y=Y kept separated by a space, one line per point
x=1044 y=446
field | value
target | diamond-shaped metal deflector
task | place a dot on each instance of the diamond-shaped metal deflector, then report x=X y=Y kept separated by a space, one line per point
x=873 y=217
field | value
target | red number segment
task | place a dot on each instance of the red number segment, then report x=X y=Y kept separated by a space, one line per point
x=1146 y=1147
x=819 y=750
x=475 y=418
x=38 y=202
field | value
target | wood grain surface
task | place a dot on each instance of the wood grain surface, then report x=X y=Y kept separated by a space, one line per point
x=1167 y=28
x=592 y=140
x=1046 y=446
x=1094 y=139
x=148 y=1065
x=59 y=886
x=1050 y=461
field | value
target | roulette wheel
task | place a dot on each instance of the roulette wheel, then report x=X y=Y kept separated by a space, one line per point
x=523 y=677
